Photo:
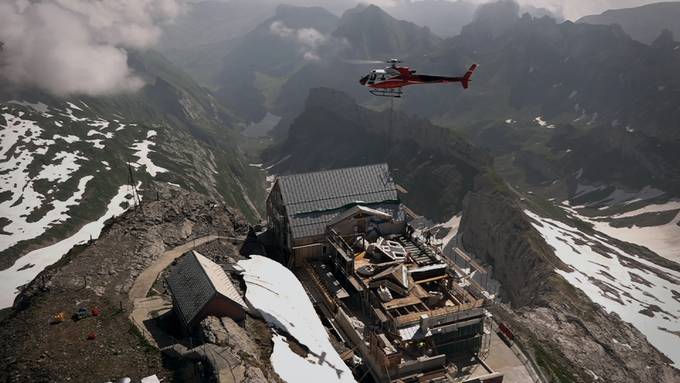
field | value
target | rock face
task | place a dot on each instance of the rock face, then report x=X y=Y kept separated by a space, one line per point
x=240 y=360
x=568 y=336
x=495 y=229
x=227 y=333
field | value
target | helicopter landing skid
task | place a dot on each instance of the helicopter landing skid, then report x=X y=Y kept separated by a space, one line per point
x=394 y=92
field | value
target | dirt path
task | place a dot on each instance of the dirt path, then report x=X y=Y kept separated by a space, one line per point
x=147 y=278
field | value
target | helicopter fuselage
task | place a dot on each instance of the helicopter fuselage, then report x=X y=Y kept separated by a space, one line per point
x=394 y=77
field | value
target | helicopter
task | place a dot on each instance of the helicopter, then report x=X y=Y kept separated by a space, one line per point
x=389 y=81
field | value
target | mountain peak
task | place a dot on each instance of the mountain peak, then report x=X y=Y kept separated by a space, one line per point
x=302 y=17
x=367 y=12
x=643 y=23
x=372 y=32
x=493 y=19
x=665 y=40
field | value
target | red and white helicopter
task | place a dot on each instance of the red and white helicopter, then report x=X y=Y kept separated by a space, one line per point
x=389 y=81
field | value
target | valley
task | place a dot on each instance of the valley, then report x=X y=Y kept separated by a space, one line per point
x=557 y=171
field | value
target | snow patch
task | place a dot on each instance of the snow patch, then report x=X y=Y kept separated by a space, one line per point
x=93 y=132
x=73 y=106
x=63 y=165
x=97 y=144
x=69 y=139
x=142 y=150
x=99 y=124
x=541 y=122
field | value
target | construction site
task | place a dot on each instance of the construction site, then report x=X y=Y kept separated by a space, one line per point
x=339 y=286
x=402 y=308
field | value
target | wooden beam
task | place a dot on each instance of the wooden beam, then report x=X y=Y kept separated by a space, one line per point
x=432 y=279
x=408 y=301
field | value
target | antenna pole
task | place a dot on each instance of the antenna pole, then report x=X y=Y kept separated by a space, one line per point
x=390 y=132
x=131 y=180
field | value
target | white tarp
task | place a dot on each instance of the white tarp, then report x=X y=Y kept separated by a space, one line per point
x=279 y=296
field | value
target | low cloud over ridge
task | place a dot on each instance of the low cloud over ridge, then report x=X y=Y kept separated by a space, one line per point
x=70 y=47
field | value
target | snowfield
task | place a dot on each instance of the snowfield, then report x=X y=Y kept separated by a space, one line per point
x=52 y=160
x=26 y=268
x=639 y=291
x=663 y=239
x=24 y=138
x=279 y=296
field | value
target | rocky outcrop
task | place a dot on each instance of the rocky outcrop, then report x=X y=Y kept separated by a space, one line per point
x=566 y=334
x=227 y=333
x=226 y=366
x=233 y=356
x=494 y=228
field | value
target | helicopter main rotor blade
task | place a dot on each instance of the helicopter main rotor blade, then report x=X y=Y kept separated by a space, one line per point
x=364 y=62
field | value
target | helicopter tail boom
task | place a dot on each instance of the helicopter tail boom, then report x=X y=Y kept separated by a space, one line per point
x=466 y=79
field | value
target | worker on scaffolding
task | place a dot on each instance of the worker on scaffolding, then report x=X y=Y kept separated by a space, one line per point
x=428 y=236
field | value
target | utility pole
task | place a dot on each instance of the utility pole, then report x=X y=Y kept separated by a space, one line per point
x=131 y=181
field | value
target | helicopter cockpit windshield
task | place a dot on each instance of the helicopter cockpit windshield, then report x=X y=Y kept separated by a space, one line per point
x=379 y=75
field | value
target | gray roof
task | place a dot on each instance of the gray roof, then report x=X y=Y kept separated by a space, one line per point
x=313 y=224
x=195 y=281
x=313 y=199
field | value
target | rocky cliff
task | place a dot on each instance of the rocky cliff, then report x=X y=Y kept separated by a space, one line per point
x=571 y=338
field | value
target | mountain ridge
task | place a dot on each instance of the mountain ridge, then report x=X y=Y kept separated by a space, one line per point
x=644 y=23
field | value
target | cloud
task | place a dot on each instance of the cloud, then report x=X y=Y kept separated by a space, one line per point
x=310 y=37
x=311 y=56
x=70 y=47
x=309 y=40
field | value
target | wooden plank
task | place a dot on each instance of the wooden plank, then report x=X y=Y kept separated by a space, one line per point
x=432 y=279
x=403 y=320
x=469 y=260
x=401 y=302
